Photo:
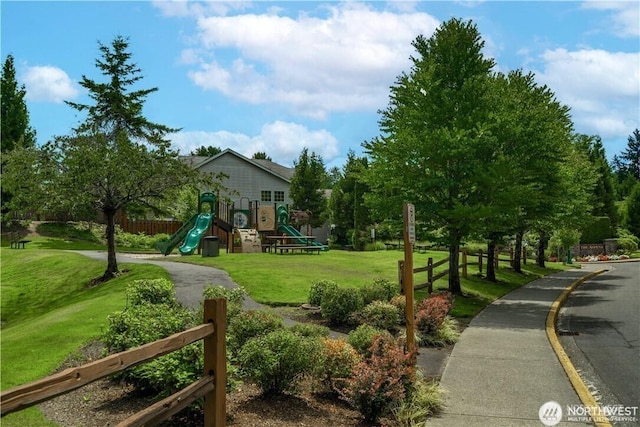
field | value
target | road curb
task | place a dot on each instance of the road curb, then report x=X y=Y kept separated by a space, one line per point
x=552 y=335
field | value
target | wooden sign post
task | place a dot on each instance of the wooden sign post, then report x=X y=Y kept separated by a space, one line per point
x=409 y=215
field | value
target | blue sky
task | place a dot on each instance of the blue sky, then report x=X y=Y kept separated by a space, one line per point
x=281 y=76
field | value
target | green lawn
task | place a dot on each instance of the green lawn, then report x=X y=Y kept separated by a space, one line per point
x=285 y=279
x=48 y=313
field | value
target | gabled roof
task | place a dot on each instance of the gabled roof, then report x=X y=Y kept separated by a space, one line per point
x=268 y=166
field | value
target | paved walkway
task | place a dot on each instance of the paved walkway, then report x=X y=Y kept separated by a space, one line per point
x=189 y=279
x=503 y=369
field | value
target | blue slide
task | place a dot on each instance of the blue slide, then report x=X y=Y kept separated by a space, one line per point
x=189 y=234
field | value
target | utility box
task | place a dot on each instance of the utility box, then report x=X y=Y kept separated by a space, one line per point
x=211 y=246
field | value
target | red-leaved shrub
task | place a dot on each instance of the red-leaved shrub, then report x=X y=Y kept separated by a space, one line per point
x=432 y=311
x=381 y=380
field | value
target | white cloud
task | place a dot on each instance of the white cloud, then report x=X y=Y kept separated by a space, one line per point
x=625 y=16
x=602 y=88
x=182 y=8
x=49 y=84
x=343 y=61
x=283 y=141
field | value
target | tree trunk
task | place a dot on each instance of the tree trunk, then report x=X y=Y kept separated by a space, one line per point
x=112 y=263
x=542 y=245
x=454 y=273
x=517 y=256
x=491 y=267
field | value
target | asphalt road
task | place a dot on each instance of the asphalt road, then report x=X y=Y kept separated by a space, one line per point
x=605 y=312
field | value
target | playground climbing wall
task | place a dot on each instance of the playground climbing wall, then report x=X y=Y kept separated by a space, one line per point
x=247 y=241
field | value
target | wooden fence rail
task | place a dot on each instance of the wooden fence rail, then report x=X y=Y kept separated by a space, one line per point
x=212 y=386
x=431 y=266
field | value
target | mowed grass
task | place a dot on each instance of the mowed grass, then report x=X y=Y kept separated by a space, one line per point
x=276 y=279
x=48 y=313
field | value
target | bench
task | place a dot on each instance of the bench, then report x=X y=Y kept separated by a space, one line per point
x=18 y=244
x=302 y=248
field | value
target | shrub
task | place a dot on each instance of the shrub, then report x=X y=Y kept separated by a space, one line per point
x=448 y=333
x=319 y=289
x=170 y=373
x=627 y=242
x=339 y=304
x=250 y=324
x=423 y=399
x=277 y=360
x=362 y=338
x=139 y=324
x=400 y=303
x=310 y=330
x=382 y=380
x=375 y=246
x=380 y=315
x=338 y=358
x=432 y=312
x=235 y=297
x=379 y=290
x=152 y=291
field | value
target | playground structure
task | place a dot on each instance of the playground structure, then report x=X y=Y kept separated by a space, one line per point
x=192 y=231
x=241 y=229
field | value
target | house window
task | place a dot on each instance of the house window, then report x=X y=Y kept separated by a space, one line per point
x=265 y=196
x=278 y=196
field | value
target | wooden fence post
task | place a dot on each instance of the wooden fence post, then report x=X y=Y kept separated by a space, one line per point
x=215 y=363
x=401 y=275
x=430 y=275
x=496 y=258
x=524 y=254
x=464 y=263
x=480 y=261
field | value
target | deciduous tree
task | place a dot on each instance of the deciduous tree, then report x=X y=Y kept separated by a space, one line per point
x=435 y=150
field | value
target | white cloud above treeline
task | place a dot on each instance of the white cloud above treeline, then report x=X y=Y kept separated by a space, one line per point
x=47 y=83
x=602 y=88
x=282 y=141
x=342 y=61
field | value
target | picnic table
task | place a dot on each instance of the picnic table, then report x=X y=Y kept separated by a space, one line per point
x=288 y=243
x=18 y=244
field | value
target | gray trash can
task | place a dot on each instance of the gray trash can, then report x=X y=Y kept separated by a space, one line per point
x=211 y=246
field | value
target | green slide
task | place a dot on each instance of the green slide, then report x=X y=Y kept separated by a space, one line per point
x=192 y=240
x=191 y=232
x=291 y=231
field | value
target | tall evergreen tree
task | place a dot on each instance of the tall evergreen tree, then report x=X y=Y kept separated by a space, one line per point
x=435 y=150
x=261 y=155
x=347 y=206
x=603 y=194
x=203 y=151
x=307 y=186
x=627 y=166
x=632 y=220
x=116 y=157
x=15 y=132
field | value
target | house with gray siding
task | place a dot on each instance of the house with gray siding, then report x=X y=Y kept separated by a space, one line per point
x=252 y=179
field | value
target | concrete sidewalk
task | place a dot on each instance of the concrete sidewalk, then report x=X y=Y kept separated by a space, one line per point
x=503 y=369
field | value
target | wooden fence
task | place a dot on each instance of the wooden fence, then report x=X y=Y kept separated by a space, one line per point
x=432 y=276
x=212 y=386
x=149 y=227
